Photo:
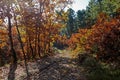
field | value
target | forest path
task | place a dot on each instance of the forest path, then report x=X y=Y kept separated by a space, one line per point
x=58 y=67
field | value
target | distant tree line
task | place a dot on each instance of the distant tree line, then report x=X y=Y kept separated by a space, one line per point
x=86 y=18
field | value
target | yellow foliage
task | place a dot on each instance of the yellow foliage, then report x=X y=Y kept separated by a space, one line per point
x=23 y=39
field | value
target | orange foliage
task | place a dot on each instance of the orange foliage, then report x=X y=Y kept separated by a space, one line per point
x=103 y=39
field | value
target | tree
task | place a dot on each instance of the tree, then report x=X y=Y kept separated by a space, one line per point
x=9 y=16
x=71 y=21
x=100 y=5
x=42 y=24
x=81 y=18
x=32 y=25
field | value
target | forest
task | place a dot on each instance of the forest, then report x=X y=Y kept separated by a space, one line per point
x=48 y=40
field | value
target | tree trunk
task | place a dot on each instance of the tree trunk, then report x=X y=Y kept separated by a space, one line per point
x=31 y=48
x=10 y=35
x=22 y=47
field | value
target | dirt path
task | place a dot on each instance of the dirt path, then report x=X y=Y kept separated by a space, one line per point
x=59 y=67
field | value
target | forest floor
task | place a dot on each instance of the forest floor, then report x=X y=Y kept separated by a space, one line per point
x=58 y=67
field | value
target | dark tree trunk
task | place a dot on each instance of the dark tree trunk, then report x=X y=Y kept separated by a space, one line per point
x=10 y=35
x=39 y=42
x=31 y=48
x=21 y=45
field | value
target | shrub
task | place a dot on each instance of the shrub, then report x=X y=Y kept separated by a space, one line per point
x=105 y=39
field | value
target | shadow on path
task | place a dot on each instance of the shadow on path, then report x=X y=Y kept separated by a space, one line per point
x=58 y=68
x=11 y=74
